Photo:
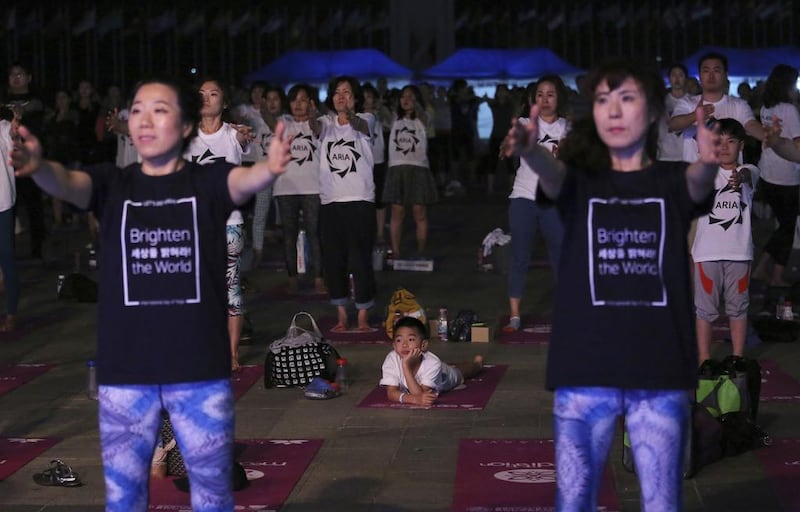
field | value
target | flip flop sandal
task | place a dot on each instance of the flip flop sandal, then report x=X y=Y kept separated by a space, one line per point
x=58 y=474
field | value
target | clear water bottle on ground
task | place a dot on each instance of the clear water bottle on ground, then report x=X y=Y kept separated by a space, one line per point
x=779 y=308
x=341 y=374
x=442 y=331
x=302 y=255
x=91 y=384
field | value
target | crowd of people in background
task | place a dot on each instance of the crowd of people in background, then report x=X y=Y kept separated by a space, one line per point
x=368 y=151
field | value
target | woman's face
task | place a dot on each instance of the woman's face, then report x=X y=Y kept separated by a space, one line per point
x=213 y=99
x=369 y=100
x=63 y=100
x=343 y=98
x=273 y=102
x=257 y=96
x=155 y=123
x=300 y=104
x=85 y=89
x=546 y=99
x=407 y=100
x=621 y=115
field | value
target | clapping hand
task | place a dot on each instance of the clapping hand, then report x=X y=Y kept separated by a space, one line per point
x=522 y=137
x=708 y=139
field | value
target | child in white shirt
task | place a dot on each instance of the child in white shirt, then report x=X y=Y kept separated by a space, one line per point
x=414 y=375
x=723 y=247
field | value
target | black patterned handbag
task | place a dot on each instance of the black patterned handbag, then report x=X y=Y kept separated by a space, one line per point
x=299 y=356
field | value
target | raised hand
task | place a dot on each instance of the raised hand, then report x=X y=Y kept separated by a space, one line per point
x=522 y=137
x=708 y=140
x=280 y=150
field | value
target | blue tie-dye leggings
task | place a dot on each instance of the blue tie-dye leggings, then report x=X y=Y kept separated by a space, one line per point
x=202 y=415
x=585 y=420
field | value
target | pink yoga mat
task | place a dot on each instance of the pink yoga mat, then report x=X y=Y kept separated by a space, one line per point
x=273 y=468
x=519 y=475
x=533 y=331
x=375 y=335
x=780 y=463
x=13 y=376
x=473 y=397
x=777 y=385
x=15 y=452
x=243 y=380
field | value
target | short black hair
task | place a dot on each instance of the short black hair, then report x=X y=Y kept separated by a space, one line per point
x=413 y=323
x=732 y=127
x=713 y=56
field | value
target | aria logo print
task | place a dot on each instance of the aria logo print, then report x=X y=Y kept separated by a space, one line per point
x=303 y=149
x=527 y=476
x=728 y=208
x=406 y=140
x=342 y=157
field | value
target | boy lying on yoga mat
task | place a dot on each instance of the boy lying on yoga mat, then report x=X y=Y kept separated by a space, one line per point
x=413 y=375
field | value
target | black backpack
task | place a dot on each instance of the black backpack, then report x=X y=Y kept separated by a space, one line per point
x=461 y=328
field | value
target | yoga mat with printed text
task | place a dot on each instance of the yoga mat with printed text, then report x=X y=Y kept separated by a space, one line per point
x=519 y=475
x=13 y=376
x=473 y=397
x=781 y=463
x=273 y=468
x=16 y=452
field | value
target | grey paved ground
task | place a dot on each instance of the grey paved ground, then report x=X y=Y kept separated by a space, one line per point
x=371 y=460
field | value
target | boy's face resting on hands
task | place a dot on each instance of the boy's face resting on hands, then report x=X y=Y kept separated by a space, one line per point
x=409 y=343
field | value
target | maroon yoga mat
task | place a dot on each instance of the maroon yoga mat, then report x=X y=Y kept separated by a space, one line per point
x=781 y=463
x=532 y=331
x=243 y=379
x=15 y=452
x=473 y=397
x=375 y=335
x=273 y=468
x=519 y=475
x=777 y=385
x=13 y=376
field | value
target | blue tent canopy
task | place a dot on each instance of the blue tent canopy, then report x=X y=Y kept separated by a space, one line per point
x=321 y=66
x=742 y=62
x=476 y=64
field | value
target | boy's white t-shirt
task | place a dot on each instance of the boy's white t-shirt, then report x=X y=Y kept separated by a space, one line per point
x=220 y=145
x=774 y=169
x=725 y=233
x=345 y=173
x=726 y=107
x=549 y=136
x=408 y=143
x=8 y=191
x=302 y=172
x=432 y=373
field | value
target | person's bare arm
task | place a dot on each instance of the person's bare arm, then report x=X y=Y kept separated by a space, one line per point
x=700 y=174
x=521 y=141
x=244 y=182
x=73 y=186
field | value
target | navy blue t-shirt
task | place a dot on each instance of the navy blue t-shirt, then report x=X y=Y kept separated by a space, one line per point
x=623 y=312
x=162 y=302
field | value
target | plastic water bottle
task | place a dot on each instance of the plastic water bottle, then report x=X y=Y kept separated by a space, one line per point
x=442 y=331
x=92 y=260
x=60 y=284
x=302 y=258
x=377 y=259
x=779 y=308
x=91 y=384
x=341 y=374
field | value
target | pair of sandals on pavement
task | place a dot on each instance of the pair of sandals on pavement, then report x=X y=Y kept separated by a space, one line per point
x=58 y=474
